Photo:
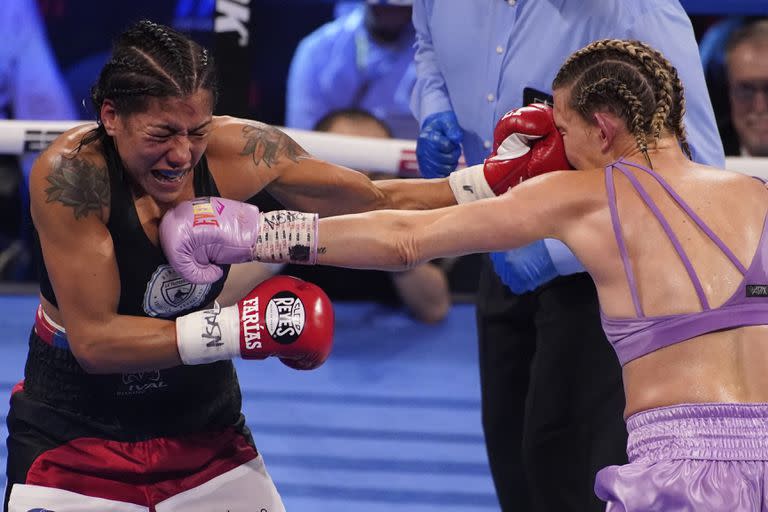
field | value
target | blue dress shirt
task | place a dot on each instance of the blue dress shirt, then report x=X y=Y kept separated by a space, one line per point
x=477 y=56
x=340 y=66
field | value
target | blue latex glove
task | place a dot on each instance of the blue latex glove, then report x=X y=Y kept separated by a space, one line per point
x=439 y=145
x=526 y=268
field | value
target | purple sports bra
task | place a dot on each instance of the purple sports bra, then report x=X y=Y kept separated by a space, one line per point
x=635 y=337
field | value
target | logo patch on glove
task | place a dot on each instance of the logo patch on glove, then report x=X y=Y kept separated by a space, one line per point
x=203 y=213
x=250 y=324
x=285 y=317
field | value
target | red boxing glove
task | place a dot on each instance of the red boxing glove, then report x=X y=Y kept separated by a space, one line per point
x=283 y=317
x=526 y=143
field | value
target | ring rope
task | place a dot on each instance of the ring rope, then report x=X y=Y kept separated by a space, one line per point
x=391 y=156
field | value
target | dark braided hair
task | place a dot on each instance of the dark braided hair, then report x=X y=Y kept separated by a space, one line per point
x=631 y=80
x=150 y=60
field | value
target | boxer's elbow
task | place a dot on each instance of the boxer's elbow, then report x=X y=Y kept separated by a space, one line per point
x=93 y=352
x=407 y=247
x=92 y=366
x=88 y=354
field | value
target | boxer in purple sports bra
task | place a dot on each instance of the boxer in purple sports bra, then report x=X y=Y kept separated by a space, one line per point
x=677 y=253
x=702 y=456
x=635 y=337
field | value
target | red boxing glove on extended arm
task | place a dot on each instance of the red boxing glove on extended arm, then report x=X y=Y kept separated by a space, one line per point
x=283 y=317
x=526 y=143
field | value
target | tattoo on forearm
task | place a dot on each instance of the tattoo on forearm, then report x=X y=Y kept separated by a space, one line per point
x=303 y=253
x=299 y=253
x=267 y=144
x=80 y=184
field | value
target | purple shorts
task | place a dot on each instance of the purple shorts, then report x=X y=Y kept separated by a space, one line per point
x=692 y=457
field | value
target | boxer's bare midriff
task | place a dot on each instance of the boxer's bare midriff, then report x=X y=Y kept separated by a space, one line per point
x=720 y=367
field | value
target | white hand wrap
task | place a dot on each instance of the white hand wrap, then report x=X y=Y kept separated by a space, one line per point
x=469 y=184
x=208 y=335
x=287 y=237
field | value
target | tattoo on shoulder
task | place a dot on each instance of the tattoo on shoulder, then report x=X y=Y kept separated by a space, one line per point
x=268 y=144
x=80 y=184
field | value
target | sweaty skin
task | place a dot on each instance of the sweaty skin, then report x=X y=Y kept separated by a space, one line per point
x=70 y=203
x=724 y=366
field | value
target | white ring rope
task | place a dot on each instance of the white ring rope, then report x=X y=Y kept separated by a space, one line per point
x=753 y=166
x=391 y=156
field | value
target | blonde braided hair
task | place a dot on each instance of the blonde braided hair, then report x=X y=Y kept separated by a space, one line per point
x=633 y=80
x=606 y=86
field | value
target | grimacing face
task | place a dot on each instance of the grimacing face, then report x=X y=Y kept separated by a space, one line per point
x=160 y=146
x=581 y=139
x=748 y=93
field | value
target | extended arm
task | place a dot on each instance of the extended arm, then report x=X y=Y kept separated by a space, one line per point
x=388 y=240
x=239 y=232
x=247 y=156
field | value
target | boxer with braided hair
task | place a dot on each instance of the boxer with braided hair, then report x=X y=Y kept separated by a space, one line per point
x=129 y=368
x=647 y=86
x=533 y=301
x=677 y=253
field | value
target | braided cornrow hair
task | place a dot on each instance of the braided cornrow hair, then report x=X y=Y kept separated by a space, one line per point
x=611 y=87
x=150 y=60
x=645 y=56
x=651 y=88
x=675 y=120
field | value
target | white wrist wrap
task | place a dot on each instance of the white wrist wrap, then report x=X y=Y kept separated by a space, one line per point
x=469 y=184
x=209 y=335
x=286 y=236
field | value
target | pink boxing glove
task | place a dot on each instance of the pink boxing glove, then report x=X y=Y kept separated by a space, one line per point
x=199 y=235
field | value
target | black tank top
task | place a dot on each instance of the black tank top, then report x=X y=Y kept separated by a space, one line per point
x=148 y=284
x=133 y=406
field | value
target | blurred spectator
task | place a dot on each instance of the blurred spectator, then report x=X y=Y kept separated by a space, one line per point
x=746 y=59
x=363 y=59
x=712 y=50
x=423 y=290
x=31 y=87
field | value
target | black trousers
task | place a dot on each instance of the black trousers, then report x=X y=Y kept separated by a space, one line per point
x=552 y=398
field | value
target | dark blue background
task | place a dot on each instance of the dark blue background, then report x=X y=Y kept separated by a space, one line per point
x=81 y=32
